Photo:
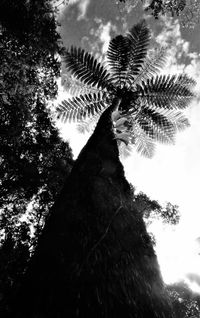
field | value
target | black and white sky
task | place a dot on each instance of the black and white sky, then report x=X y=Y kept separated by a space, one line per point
x=173 y=174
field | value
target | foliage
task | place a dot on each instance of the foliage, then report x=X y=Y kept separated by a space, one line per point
x=30 y=145
x=162 y=7
x=191 y=14
x=29 y=59
x=34 y=161
x=34 y=165
x=187 y=11
x=149 y=103
x=186 y=303
x=151 y=209
x=33 y=170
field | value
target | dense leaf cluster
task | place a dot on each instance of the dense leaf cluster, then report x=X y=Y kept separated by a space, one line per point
x=186 y=303
x=30 y=144
x=151 y=209
x=33 y=170
x=162 y=7
x=34 y=161
x=29 y=59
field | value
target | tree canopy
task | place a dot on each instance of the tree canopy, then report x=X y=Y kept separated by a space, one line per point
x=34 y=160
x=186 y=303
x=188 y=12
x=150 y=105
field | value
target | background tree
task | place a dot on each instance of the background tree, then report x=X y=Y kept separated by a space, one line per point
x=34 y=160
x=186 y=303
x=151 y=209
x=162 y=7
x=188 y=12
x=30 y=47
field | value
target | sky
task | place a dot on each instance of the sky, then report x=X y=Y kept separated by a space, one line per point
x=173 y=174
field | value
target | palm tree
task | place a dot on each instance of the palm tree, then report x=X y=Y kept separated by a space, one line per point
x=95 y=257
x=149 y=105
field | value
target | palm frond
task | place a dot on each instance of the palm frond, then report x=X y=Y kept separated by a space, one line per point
x=88 y=125
x=179 y=121
x=79 y=108
x=160 y=125
x=144 y=144
x=86 y=68
x=126 y=53
x=169 y=92
x=118 y=58
x=76 y=87
x=148 y=104
x=139 y=37
x=124 y=150
x=151 y=66
x=156 y=125
x=185 y=80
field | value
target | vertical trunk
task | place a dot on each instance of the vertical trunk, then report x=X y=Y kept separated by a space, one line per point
x=95 y=258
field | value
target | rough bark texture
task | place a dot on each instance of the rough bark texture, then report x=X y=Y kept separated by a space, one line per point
x=95 y=258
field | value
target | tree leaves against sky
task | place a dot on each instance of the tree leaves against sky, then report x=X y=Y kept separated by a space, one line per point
x=186 y=303
x=187 y=11
x=150 y=104
x=34 y=160
x=31 y=148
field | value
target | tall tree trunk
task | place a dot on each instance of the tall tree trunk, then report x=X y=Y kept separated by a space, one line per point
x=95 y=258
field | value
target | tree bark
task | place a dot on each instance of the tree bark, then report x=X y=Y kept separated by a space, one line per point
x=95 y=258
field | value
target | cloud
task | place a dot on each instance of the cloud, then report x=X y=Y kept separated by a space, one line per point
x=102 y=35
x=180 y=57
x=83 y=5
x=177 y=48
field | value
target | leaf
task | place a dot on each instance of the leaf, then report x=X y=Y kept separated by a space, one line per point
x=118 y=58
x=139 y=37
x=144 y=145
x=156 y=125
x=126 y=53
x=168 y=92
x=89 y=124
x=76 y=87
x=5 y=99
x=151 y=66
x=86 y=68
x=78 y=108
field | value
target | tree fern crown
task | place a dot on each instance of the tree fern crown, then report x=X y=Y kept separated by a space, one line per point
x=150 y=103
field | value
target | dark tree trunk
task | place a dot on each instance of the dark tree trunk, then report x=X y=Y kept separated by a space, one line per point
x=95 y=258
